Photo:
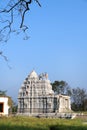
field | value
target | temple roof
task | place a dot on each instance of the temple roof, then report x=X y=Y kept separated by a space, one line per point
x=33 y=74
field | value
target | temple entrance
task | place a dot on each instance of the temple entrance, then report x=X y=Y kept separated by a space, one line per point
x=1 y=107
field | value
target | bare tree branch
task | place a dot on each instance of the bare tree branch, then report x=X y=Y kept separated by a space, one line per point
x=14 y=9
x=23 y=15
x=38 y=3
x=8 y=19
x=11 y=8
x=5 y=58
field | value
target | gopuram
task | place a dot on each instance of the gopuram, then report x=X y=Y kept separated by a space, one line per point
x=37 y=97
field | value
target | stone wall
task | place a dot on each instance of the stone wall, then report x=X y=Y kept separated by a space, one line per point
x=36 y=96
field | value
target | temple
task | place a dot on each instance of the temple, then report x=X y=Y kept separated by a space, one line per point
x=36 y=96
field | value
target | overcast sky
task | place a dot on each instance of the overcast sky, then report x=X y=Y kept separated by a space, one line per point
x=57 y=45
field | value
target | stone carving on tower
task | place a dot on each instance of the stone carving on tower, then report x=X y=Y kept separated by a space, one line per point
x=36 y=96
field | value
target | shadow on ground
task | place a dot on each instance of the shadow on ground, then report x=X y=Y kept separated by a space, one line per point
x=53 y=127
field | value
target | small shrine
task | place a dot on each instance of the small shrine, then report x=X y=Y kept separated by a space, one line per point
x=4 y=107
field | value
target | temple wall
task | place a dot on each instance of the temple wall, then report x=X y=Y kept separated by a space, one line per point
x=36 y=96
x=4 y=106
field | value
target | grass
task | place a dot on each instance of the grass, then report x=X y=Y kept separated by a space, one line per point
x=28 y=123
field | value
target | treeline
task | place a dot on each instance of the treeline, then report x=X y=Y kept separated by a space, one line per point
x=78 y=95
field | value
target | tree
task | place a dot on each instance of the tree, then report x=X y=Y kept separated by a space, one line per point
x=10 y=11
x=14 y=107
x=61 y=87
x=3 y=93
x=79 y=96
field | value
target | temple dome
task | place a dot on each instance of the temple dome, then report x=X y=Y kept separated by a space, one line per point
x=33 y=74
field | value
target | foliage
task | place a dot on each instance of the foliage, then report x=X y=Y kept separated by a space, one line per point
x=3 y=93
x=27 y=123
x=10 y=101
x=78 y=95
x=61 y=87
x=14 y=107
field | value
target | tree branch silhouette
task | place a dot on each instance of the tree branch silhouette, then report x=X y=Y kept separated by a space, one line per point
x=11 y=11
x=7 y=17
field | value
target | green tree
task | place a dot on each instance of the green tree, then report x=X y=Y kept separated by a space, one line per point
x=14 y=107
x=61 y=87
x=3 y=93
x=78 y=97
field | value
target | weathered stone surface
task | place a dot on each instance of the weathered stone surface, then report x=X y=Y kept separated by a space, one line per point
x=36 y=96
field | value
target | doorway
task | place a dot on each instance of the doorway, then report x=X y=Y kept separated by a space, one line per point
x=1 y=107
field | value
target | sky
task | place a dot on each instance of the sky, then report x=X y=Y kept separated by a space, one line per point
x=57 y=45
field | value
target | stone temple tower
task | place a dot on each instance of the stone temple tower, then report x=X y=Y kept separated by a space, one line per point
x=36 y=96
